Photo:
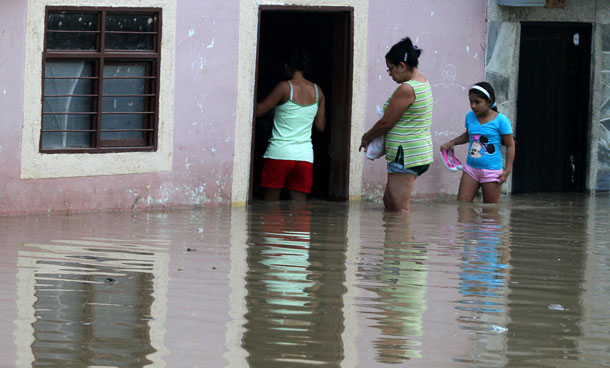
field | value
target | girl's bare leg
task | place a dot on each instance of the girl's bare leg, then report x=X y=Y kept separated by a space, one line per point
x=468 y=188
x=272 y=194
x=297 y=196
x=491 y=192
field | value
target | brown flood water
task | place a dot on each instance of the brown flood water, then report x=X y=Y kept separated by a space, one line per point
x=525 y=284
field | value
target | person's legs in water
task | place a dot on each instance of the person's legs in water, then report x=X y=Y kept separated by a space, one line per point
x=397 y=195
x=297 y=196
x=491 y=191
x=469 y=187
x=473 y=179
x=272 y=194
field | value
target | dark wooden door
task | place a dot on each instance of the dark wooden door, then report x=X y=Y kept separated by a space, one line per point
x=340 y=107
x=552 y=108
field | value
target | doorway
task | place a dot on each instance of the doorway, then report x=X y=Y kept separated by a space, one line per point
x=326 y=35
x=553 y=108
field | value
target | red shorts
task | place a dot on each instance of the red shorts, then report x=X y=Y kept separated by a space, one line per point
x=289 y=174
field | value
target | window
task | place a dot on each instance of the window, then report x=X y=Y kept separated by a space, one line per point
x=100 y=80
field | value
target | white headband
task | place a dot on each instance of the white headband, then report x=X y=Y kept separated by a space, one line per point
x=479 y=88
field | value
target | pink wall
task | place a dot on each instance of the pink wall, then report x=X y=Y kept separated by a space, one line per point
x=205 y=99
x=12 y=39
x=206 y=96
x=453 y=39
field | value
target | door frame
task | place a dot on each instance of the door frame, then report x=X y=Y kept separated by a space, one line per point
x=340 y=100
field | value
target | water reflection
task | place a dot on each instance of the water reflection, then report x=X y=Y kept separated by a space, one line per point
x=523 y=284
x=484 y=275
x=548 y=257
x=91 y=302
x=294 y=285
x=399 y=275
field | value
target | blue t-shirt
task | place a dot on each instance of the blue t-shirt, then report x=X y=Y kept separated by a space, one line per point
x=484 y=141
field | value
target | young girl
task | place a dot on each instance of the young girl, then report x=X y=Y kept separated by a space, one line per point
x=486 y=128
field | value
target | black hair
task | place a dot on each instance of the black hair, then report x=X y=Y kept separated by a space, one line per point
x=404 y=52
x=296 y=59
x=492 y=95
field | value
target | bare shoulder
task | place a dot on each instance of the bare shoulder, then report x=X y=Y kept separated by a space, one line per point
x=404 y=90
x=283 y=86
x=281 y=91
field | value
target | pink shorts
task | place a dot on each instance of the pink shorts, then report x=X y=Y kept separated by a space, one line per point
x=483 y=175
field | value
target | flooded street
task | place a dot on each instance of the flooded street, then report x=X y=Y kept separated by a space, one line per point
x=525 y=284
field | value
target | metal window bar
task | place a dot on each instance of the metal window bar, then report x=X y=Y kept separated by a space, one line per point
x=100 y=56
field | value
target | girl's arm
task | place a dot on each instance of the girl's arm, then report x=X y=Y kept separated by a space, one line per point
x=403 y=97
x=280 y=94
x=320 y=120
x=461 y=139
x=509 y=142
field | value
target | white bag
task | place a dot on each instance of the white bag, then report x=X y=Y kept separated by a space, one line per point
x=376 y=148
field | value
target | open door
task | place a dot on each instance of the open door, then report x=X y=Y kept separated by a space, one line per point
x=326 y=34
x=553 y=108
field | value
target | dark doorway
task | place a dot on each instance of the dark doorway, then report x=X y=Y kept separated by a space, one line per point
x=326 y=35
x=553 y=108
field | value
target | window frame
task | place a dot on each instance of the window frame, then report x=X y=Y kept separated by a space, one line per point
x=101 y=57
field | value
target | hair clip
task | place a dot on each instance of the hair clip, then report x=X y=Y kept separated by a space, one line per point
x=415 y=47
x=406 y=56
x=494 y=104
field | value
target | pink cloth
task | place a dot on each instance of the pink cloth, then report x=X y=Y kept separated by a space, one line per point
x=483 y=175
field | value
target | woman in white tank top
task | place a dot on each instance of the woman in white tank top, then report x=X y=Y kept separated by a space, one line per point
x=299 y=104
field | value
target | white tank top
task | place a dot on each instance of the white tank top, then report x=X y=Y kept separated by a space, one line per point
x=291 y=135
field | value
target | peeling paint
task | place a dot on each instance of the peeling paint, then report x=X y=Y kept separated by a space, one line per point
x=201 y=62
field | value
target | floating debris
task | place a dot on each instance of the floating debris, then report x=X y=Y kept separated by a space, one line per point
x=499 y=329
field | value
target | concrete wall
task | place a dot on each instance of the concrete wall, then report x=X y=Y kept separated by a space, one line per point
x=503 y=60
x=207 y=88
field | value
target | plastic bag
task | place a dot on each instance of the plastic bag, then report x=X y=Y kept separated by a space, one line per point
x=376 y=148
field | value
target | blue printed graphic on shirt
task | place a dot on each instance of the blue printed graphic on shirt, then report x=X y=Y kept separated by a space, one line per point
x=484 y=141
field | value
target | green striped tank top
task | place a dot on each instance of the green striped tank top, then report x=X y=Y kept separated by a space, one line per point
x=409 y=142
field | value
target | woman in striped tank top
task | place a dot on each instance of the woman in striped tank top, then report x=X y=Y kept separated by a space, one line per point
x=406 y=125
